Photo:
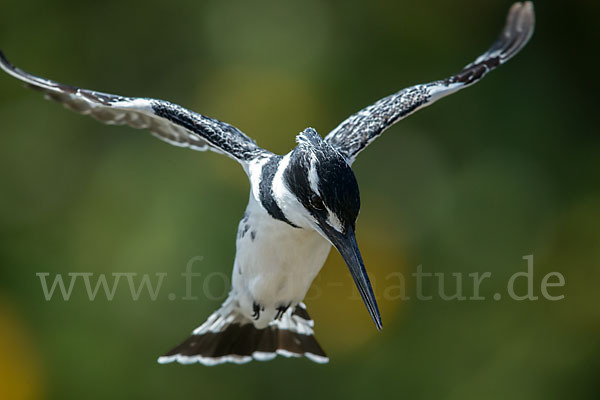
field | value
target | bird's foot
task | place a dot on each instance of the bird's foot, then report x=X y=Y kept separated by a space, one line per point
x=281 y=310
x=256 y=308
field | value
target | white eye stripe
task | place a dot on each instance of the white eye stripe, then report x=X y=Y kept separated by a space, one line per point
x=313 y=177
x=334 y=221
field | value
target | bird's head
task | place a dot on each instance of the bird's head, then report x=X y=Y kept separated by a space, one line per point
x=325 y=187
x=323 y=183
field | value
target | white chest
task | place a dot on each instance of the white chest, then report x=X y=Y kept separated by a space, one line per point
x=275 y=263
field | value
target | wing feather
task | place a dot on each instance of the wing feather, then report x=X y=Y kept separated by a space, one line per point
x=167 y=121
x=360 y=129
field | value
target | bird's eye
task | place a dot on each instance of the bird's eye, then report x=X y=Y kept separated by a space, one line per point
x=316 y=202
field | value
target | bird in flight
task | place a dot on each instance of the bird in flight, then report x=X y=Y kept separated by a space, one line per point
x=300 y=204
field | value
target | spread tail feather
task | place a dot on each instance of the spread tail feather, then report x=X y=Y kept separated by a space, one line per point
x=227 y=336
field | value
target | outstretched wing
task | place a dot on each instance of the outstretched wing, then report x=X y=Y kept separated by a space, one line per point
x=167 y=121
x=360 y=129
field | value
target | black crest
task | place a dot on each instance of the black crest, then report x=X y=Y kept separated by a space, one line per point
x=337 y=186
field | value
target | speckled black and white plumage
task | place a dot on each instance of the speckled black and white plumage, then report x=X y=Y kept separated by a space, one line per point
x=360 y=129
x=300 y=204
x=167 y=121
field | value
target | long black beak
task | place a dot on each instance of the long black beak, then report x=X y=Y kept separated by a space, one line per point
x=348 y=248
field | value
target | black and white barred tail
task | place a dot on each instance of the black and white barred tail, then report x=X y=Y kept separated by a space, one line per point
x=228 y=336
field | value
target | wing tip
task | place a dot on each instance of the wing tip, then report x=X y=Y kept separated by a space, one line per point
x=5 y=64
x=519 y=27
x=521 y=23
x=32 y=81
x=528 y=12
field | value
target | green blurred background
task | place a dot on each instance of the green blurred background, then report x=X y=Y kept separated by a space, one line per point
x=474 y=183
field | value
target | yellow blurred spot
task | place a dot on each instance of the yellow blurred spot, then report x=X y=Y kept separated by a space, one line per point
x=575 y=254
x=19 y=368
x=342 y=322
x=271 y=106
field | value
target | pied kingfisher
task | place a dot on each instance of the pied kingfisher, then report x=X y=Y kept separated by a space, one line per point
x=300 y=204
